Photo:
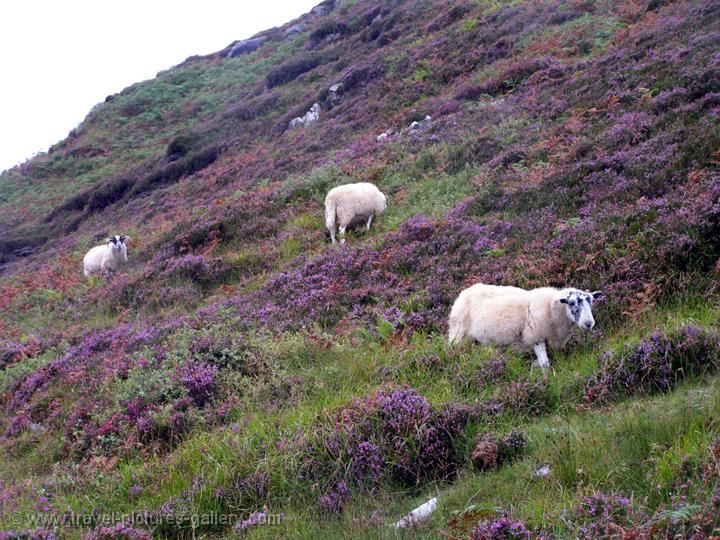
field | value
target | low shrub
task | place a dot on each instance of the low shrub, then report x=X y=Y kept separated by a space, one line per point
x=328 y=29
x=502 y=528
x=602 y=516
x=491 y=452
x=392 y=434
x=121 y=531
x=657 y=364
x=291 y=70
x=29 y=534
x=181 y=145
x=528 y=397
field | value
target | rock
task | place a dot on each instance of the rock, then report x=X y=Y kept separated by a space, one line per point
x=542 y=471
x=417 y=515
x=385 y=135
x=246 y=46
x=419 y=126
x=335 y=93
x=325 y=7
x=294 y=30
x=313 y=115
x=296 y=123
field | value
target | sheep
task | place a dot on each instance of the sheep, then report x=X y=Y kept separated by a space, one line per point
x=352 y=204
x=532 y=319
x=108 y=257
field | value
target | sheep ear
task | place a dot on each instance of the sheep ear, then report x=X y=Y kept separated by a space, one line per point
x=563 y=300
x=124 y=238
x=597 y=295
x=110 y=240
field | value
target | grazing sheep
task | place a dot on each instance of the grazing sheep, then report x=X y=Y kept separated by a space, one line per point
x=532 y=319
x=106 y=258
x=352 y=204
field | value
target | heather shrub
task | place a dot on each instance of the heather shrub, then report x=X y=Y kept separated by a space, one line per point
x=491 y=452
x=121 y=531
x=512 y=76
x=358 y=76
x=327 y=29
x=10 y=352
x=257 y=518
x=603 y=516
x=530 y=397
x=253 y=108
x=29 y=534
x=174 y=171
x=292 y=69
x=199 y=380
x=194 y=267
x=249 y=219
x=502 y=528
x=334 y=500
x=491 y=371
x=181 y=145
x=683 y=519
x=393 y=434
x=657 y=364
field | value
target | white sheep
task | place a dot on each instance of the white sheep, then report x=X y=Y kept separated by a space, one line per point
x=108 y=257
x=352 y=204
x=533 y=319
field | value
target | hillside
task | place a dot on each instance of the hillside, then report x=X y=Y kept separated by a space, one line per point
x=244 y=377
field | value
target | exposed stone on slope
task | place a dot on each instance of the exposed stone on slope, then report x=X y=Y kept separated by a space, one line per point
x=313 y=115
x=246 y=46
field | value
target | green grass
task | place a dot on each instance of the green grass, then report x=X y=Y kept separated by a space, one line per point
x=430 y=195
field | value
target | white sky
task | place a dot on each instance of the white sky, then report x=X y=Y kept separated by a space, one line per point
x=59 y=58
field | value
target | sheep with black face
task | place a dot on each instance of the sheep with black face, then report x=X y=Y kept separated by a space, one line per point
x=108 y=257
x=533 y=319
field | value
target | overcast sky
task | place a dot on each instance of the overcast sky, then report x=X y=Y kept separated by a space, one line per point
x=59 y=58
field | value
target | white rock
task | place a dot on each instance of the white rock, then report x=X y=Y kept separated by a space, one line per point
x=296 y=123
x=422 y=125
x=313 y=115
x=385 y=135
x=417 y=515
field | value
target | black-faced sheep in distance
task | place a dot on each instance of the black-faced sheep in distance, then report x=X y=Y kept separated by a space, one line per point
x=108 y=257
x=533 y=319
x=352 y=204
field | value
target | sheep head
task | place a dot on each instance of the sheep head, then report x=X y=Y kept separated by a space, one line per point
x=578 y=306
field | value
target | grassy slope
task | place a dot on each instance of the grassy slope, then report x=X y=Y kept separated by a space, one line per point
x=501 y=143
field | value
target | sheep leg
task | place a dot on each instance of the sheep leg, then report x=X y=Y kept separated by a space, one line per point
x=367 y=227
x=341 y=233
x=542 y=358
x=332 y=235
